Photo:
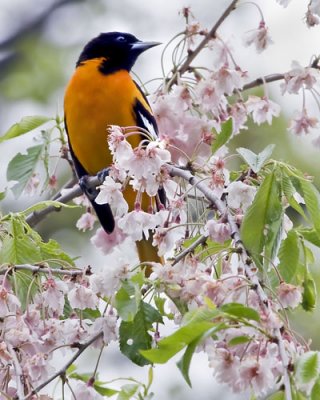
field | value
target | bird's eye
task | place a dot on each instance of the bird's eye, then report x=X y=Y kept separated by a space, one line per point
x=121 y=39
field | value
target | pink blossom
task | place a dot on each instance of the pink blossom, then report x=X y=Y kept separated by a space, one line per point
x=32 y=185
x=262 y=109
x=9 y=303
x=108 y=281
x=52 y=295
x=302 y=123
x=299 y=77
x=80 y=200
x=107 y=325
x=37 y=367
x=166 y=239
x=86 y=221
x=289 y=295
x=217 y=231
x=82 y=297
x=110 y=192
x=239 y=116
x=259 y=37
x=240 y=195
x=107 y=242
x=312 y=19
x=228 y=79
x=137 y=223
x=84 y=392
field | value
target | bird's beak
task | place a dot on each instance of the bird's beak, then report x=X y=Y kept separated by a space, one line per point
x=140 y=47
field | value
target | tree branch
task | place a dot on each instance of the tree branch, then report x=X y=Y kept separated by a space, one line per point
x=251 y=273
x=261 y=81
x=35 y=269
x=63 y=370
x=211 y=35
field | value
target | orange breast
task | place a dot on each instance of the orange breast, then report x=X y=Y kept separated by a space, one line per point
x=92 y=102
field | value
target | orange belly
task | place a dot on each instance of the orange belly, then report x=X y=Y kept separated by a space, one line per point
x=92 y=102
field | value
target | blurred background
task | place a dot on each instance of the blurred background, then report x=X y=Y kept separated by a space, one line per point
x=39 y=45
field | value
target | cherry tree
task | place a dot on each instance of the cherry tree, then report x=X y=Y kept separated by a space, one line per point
x=233 y=262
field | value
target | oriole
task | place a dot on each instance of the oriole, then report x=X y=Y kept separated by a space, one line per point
x=100 y=93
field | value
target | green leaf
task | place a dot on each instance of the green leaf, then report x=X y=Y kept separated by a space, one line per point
x=134 y=335
x=277 y=396
x=289 y=191
x=17 y=247
x=27 y=124
x=223 y=137
x=262 y=220
x=52 y=253
x=309 y=295
x=185 y=361
x=312 y=199
x=256 y=161
x=174 y=343
x=239 y=340
x=310 y=235
x=104 y=391
x=127 y=391
x=307 y=367
x=127 y=300
x=21 y=168
x=289 y=256
x=315 y=392
x=240 y=311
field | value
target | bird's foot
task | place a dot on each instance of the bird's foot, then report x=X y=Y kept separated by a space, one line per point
x=101 y=175
x=91 y=192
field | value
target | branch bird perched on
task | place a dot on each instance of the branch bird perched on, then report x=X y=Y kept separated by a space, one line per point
x=100 y=93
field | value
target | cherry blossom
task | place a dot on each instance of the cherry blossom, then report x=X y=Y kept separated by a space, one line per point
x=110 y=192
x=240 y=195
x=86 y=222
x=218 y=231
x=259 y=37
x=302 y=123
x=289 y=295
x=262 y=109
x=107 y=242
x=299 y=77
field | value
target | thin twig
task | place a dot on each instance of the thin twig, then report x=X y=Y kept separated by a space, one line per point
x=211 y=35
x=37 y=216
x=40 y=269
x=261 y=81
x=202 y=239
x=63 y=370
x=251 y=273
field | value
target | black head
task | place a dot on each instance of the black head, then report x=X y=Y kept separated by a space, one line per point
x=120 y=50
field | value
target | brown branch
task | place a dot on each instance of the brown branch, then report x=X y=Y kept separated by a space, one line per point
x=63 y=370
x=251 y=273
x=35 y=269
x=261 y=81
x=211 y=35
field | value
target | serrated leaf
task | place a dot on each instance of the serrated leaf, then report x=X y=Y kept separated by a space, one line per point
x=22 y=167
x=312 y=199
x=52 y=253
x=289 y=191
x=307 y=367
x=134 y=335
x=223 y=137
x=17 y=247
x=26 y=124
x=256 y=161
x=127 y=300
x=310 y=235
x=261 y=222
x=240 y=311
x=315 y=392
x=174 y=343
x=289 y=256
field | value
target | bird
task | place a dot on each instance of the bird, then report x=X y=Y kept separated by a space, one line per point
x=100 y=93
